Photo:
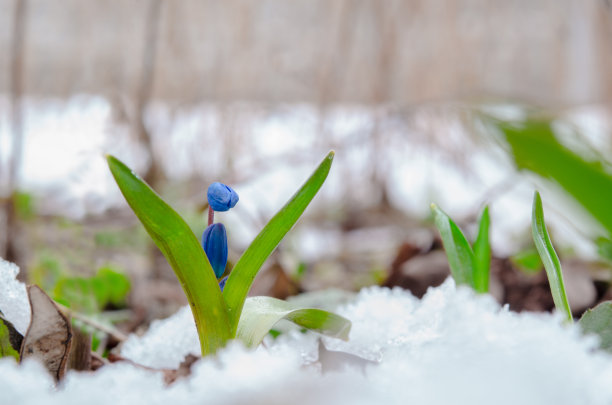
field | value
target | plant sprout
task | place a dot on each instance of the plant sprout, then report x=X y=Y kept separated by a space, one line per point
x=221 y=310
x=549 y=258
x=469 y=266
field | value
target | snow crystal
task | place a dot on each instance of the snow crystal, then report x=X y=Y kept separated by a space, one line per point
x=14 y=302
x=452 y=346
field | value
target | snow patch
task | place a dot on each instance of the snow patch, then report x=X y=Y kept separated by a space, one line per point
x=452 y=346
x=14 y=302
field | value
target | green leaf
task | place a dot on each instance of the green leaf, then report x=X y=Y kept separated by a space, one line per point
x=458 y=250
x=24 y=205
x=46 y=272
x=535 y=148
x=76 y=293
x=528 y=261
x=183 y=251
x=92 y=294
x=260 y=314
x=112 y=287
x=244 y=272
x=482 y=253
x=604 y=248
x=8 y=335
x=549 y=258
x=598 y=321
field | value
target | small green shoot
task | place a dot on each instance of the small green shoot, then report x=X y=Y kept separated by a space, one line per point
x=549 y=258
x=468 y=267
x=482 y=253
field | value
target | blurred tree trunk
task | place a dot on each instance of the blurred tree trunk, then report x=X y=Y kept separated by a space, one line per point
x=386 y=15
x=154 y=173
x=10 y=250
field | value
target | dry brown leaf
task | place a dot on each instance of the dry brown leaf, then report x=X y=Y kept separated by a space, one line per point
x=80 y=351
x=49 y=335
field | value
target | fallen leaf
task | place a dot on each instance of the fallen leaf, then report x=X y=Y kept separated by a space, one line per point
x=80 y=351
x=49 y=335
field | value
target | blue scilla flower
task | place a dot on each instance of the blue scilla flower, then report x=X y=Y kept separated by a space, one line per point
x=221 y=197
x=214 y=242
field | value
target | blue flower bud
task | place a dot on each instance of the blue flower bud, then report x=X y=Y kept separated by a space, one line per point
x=222 y=283
x=214 y=242
x=221 y=197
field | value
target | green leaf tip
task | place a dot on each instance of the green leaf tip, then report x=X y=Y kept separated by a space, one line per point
x=549 y=257
x=244 y=272
x=458 y=250
x=482 y=253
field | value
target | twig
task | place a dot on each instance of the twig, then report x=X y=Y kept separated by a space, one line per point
x=109 y=330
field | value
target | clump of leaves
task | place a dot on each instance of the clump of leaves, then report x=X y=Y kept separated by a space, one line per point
x=221 y=316
x=108 y=287
x=469 y=265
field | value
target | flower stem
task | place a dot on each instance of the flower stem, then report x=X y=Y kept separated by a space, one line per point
x=211 y=216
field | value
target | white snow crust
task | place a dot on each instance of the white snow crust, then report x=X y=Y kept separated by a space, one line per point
x=14 y=302
x=452 y=346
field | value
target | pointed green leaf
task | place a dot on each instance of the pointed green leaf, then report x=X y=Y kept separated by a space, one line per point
x=598 y=321
x=244 y=272
x=549 y=258
x=482 y=254
x=458 y=250
x=260 y=314
x=535 y=147
x=184 y=253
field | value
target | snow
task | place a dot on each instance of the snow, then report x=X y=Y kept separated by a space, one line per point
x=14 y=302
x=177 y=336
x=452 y=346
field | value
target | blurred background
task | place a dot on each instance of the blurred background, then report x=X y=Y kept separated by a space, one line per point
x=461 y=103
